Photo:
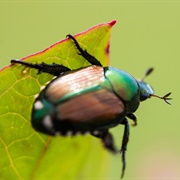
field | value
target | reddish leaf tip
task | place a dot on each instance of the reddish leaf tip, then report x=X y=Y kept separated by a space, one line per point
x=112 y=22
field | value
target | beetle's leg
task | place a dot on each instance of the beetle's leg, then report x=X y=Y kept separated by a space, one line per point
x=124 y=145
x=91 y=59
x=132 y=117
x=107 y=140
x=53 y=69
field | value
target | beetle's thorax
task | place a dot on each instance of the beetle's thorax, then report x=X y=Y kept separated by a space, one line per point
x=125 y=86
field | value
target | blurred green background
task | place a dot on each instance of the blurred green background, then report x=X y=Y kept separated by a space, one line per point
x=147 y=33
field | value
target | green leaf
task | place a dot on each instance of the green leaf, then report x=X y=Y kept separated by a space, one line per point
x=27 y=154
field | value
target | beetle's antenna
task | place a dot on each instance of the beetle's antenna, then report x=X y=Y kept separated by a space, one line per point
x=165 y=97
x=148 y=72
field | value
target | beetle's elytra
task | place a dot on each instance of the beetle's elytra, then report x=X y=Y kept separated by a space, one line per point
x=90 y=99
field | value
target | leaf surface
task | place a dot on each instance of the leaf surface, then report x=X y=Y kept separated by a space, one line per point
x=27 y=154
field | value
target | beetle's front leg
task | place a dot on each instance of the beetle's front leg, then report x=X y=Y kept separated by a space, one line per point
x=124 y=145
x=107 y=140
x=132 y=117
x=91 y=59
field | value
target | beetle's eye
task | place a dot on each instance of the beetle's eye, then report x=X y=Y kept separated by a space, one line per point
x=143 y=97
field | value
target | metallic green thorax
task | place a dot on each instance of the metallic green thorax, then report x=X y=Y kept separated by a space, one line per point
x=125 y=86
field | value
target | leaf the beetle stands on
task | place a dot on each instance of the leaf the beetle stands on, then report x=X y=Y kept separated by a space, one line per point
x=27 y=154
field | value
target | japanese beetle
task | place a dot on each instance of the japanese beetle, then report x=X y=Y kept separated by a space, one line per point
x=91 y=100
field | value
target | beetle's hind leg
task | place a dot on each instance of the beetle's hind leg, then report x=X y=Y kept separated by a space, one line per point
x=91 y=59
x=107 y=140
x=53 y=69
x=124 y=145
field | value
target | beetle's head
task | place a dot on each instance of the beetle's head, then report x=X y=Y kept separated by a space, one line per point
x=146 y=91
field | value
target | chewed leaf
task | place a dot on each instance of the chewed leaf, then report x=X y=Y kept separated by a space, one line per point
x=27 y=154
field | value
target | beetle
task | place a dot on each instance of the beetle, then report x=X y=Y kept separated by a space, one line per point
x=90 y=99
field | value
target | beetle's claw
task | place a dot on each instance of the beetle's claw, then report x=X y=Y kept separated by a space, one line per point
x=134 y=123
x=68 y=36
x=123 y=162
x=123 y=153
